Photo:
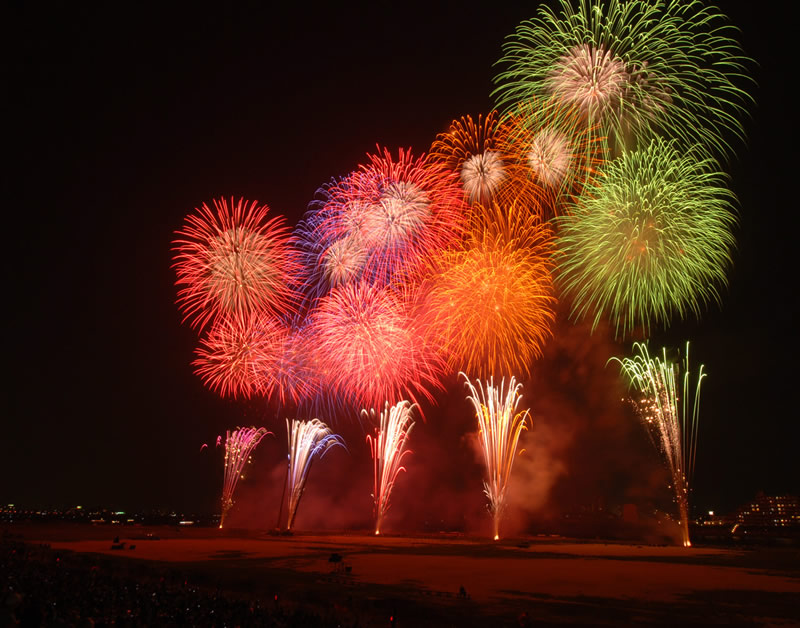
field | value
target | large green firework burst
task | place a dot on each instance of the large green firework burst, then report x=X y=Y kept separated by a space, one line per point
x=633 y=68
x=650 y=239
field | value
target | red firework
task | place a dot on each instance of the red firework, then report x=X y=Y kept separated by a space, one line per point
x=297 y=370
x=368 y=348
x=234 y=262
x=241 y=358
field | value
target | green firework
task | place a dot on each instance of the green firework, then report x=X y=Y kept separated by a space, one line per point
x=633 y=68
x=649 y=240
x=670 y=411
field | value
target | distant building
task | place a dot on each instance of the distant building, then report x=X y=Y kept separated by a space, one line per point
x=781 y=511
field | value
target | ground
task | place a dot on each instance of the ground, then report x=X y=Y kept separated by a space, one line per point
x=420 y=579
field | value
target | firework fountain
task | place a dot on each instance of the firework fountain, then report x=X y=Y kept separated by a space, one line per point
x=388 y=448
x=671 y=416
x=500 y=426
x=306 y=440
x=239 y=444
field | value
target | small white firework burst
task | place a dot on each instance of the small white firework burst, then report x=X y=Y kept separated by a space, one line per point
x=403 y=210
x=481 y=175
x=590 y=77
x=353 y=217
x=550 y=157
x=343 y=261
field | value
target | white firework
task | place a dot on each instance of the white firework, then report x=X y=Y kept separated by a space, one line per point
x=343 y=261
x=402 y=210
x=550 y=157
x=307 y=439
x=481 y=175
x=590 y=77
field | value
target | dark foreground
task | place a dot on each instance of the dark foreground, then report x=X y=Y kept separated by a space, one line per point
x=70 y=575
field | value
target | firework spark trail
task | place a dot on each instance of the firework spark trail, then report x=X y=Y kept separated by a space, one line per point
x=488 y=305
x=306 y=439
x=671 y=420
x=231 y=261
x=239 y=444
x=635 y=69
x=387 y=447
x=650 y=239
x=500 y=427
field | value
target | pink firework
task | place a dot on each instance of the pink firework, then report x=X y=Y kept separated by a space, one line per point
x=232 y=261
x=383 y=218
x=297 y=369
x=241 y=357
x=368 y=347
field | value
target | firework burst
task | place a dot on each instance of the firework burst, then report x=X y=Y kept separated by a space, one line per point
x=380 y=221
x=671 y=415
x=240 y=357
x=488 y=306
x=370 y=348
x=306 y=440
x=231 y=261
x=632 y=68
x=388 y=448
x=551 y=153
x=500 y=426
x=239 y=444
x=651 y=239
x=472 y=149
x=330 y=257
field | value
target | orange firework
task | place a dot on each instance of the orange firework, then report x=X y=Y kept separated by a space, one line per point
x=551 y=152
x=472 y=150
x=487 y=162
x=489 y=305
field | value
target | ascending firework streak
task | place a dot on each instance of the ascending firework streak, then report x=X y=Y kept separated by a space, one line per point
x=669 y=417
x=500 y=428
x=239 y=444
x=388 y=450
x=306 y=440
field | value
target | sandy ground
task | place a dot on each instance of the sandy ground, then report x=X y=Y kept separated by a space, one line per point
x=555 y=580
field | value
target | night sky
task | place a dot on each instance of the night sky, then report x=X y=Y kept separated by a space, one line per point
x=125 y=119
